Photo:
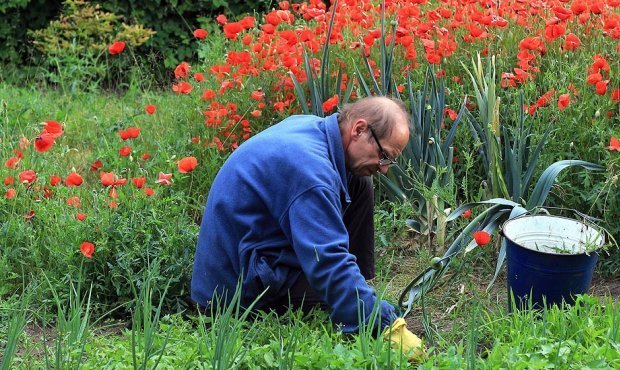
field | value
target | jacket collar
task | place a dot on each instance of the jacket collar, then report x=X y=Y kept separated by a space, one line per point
x=336 y=151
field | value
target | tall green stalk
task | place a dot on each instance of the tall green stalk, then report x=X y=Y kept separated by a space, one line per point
x=145 y=322
x=72 y=327
x=17 y=323
x=227 y=330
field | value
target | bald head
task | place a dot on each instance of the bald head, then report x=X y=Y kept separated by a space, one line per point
x=383 y=114
x=374 y=130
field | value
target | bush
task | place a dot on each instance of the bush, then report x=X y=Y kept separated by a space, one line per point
x=75 y=46
x=14 y=14
x=174 y=21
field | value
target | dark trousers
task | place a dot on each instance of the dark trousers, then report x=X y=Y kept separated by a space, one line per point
x=358 y=219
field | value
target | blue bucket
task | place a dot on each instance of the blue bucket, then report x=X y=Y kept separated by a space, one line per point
x=549 y=259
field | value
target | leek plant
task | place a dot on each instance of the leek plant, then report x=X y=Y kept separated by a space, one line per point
x=321 y=86
x=424 y=176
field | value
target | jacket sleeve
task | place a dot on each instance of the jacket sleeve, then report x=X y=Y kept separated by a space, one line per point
x=319 y=237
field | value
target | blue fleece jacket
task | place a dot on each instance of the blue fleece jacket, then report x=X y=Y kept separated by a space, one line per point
x=274 y=210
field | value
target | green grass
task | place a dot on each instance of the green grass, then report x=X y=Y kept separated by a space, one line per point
x=122 y=310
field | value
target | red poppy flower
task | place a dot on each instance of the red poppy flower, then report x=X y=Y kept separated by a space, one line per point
x=208 y=94
x=256 y=113
x=74 y=179
x=182 y=70
x=27 y=177
x=578 y=7
x=330 y=103
x=187 y=164
x=257 y=94
x=482 y=237
x=87 y=249
x=562 y=13
x=107 y=178
x=10 y=193
x=145 y=156
x=200 y=33
x=150 y=109
x=149 y=192
x=221 y=19
x=545 y=99
x=138 y=182
x=594 y=78
x=199 y=77
x=9 y=180
x=614 y=144
x=53 y=128
x=615 y=95
x=43 y=142
x=247 y=39
x=530 y=43
x=182 y=88
x=96 y=165
x=451 y=113
x=164 y=179
x=571 y=42
x=553 y=31
x=116 y=48
x=466 y=214
x=112 y=204
x=124 y=151
x=80 y=216
x=130 y=133
x=563 y=101
x=73 y=201
x=601 y=87
x=11 y=163
x=231 y=30
x=55 y=180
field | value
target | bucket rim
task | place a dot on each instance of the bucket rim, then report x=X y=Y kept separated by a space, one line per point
x=524 y=216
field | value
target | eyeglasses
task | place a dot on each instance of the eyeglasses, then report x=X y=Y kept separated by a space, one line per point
x=385 y=159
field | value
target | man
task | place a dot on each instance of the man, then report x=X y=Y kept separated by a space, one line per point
x=290 y=214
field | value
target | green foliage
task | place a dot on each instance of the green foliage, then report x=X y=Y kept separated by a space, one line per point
x=145 y=320
x=72 y=327
x=545 y=339
x=16 y=16
x=174 y=22
x=16 y=323
x=75 y=46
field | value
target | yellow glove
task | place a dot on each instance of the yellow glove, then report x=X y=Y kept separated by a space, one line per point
x=402 y=338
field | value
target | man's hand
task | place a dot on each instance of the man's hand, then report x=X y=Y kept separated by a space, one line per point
x=403 y=339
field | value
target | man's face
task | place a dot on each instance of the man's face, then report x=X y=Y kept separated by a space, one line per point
x=368 y=153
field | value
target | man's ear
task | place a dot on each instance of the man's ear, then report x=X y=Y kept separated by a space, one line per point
x=359 y=126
